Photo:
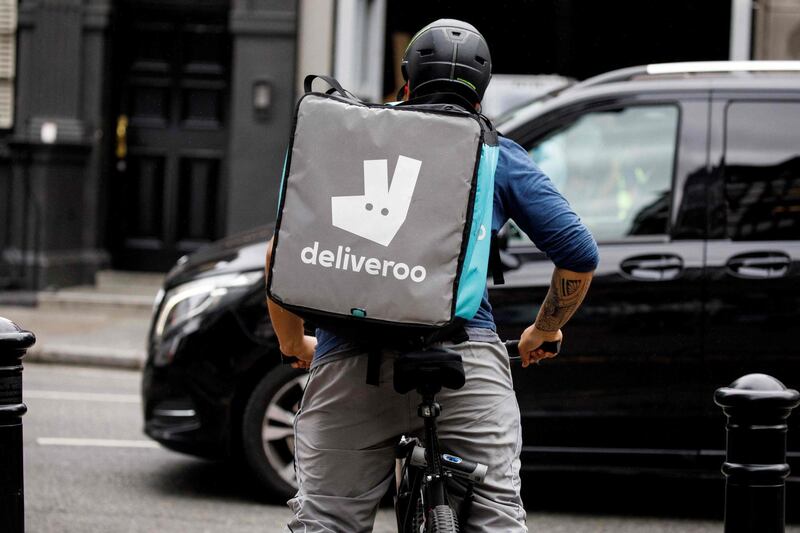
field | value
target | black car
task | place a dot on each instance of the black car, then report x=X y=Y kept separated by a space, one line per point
x=689 y=177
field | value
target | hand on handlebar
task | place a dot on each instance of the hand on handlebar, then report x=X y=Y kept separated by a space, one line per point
x=303 y=352
x=535 y=345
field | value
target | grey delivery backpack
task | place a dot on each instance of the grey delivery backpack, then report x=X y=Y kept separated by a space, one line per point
x=385 y=215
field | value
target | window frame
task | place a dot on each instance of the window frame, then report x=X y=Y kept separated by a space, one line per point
x=539 y=127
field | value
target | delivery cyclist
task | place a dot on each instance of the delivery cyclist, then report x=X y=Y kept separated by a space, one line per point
x=347 y=429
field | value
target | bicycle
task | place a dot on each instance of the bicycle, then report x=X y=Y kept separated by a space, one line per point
x=422 y=502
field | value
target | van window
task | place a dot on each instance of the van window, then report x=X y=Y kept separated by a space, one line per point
x=762 y=170
x=615 y=168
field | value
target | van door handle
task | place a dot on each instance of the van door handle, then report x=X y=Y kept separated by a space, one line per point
x=122 y=137
x=656 y=267
x=759 y=265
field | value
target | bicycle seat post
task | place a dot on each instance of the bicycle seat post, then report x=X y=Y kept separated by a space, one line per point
x=427 y=372
x=429 y=409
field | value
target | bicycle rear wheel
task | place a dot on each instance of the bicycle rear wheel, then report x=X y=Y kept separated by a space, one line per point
x=442 y=519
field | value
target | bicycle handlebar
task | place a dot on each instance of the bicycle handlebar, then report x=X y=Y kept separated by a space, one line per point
x=513 y=348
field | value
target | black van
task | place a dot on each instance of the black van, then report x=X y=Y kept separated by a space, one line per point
x=689 y=177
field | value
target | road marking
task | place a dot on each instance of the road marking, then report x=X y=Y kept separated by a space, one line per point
x=80 y=396
x=102 y=443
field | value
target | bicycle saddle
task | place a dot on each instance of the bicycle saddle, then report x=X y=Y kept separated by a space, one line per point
x=434 y=368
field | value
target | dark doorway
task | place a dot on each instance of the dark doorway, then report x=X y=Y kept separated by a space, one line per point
x=170 y=128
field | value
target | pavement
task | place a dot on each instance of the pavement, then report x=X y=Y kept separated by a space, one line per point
x=103 y=325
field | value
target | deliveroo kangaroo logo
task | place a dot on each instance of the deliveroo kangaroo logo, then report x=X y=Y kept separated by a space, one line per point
x=378 y=214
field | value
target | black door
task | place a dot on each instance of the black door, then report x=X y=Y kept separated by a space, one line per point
x=754 y=258
x=625 y=390
x=172 y=72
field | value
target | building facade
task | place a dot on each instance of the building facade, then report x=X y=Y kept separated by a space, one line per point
x=142 y=129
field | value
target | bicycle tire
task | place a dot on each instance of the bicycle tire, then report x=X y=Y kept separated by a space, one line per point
x=419 y=517
x=442 y=519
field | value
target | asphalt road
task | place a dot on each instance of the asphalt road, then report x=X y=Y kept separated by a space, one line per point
x=89 y=468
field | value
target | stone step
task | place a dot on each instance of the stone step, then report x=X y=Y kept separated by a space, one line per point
x=139 y=299
x=113 y=290
x=122 y=281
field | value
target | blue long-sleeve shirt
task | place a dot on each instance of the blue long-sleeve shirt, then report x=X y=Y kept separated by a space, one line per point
x=526 y=195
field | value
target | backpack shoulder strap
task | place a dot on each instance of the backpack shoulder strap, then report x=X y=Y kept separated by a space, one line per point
x=490 y=135
x=374 y=359
x=495 y=263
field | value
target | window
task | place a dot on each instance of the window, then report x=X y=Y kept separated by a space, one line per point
x=762 y=170
x=615 y=168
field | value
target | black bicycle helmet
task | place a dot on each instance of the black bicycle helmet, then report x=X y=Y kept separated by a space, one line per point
x=447 y=56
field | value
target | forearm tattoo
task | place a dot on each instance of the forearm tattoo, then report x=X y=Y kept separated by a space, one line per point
x=566 y=293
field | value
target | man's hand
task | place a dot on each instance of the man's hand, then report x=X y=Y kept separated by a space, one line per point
x=530 y=342
x=567 y=289
x=302 y=351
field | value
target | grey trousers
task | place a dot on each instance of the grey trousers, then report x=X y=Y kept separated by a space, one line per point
x=346 y=431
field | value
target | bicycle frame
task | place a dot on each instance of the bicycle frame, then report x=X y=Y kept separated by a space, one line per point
x=423 y=477
x=426 y=482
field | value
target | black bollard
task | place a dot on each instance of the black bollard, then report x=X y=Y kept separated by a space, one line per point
x=13 y=344
x=755 y=468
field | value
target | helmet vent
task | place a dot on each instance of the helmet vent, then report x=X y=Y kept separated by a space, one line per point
x=426 y=52
x=456 y=34
x=480 y=60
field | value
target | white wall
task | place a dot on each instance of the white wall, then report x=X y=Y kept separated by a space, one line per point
x=315 y=39
x=358 y=58
x=741 y=24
